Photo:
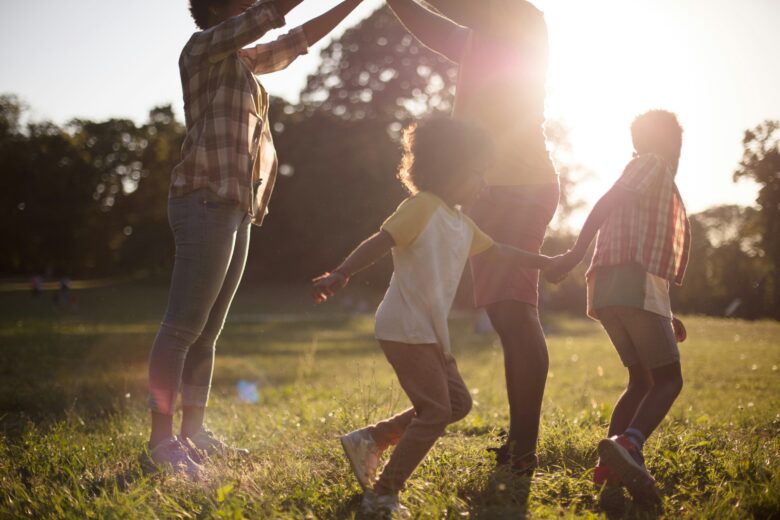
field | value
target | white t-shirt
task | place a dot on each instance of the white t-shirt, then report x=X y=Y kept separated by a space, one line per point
x=432 y=243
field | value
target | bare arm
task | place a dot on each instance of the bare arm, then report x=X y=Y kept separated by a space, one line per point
x=509 y=256
x=366 y=254
x=239 y=31
x=469 y=13
x=434 y=31
x=608 y=203
x=316 y=28
x=280 y=53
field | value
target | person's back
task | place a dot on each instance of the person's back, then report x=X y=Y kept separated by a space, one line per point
x=642 y=247
x=501 y=88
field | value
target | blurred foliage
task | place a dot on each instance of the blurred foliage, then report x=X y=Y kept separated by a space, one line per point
x=761 y=163
x=89 y=199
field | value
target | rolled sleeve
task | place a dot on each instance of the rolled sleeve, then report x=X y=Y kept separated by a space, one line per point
x=278 y=54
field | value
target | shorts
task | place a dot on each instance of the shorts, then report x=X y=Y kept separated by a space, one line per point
x=640 y=337
x=517 y=216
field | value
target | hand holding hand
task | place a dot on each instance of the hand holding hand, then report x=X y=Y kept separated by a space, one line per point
x=326 y=285
x=679 y=330
x=560 y=266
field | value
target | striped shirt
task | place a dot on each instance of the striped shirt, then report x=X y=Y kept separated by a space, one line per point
x=654 y=232
x=228 y=148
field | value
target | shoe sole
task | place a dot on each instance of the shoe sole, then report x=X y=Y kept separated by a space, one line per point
x=351 y=457
x=612 y=500
x=636 y=479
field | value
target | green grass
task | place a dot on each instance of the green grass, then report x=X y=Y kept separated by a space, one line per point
x=73 y=419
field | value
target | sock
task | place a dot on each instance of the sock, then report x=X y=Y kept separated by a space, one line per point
x=637 y=437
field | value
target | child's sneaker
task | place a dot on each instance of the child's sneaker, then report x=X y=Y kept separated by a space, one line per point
x=205 y=442
x=386 y=506
x=173 y=454
x=363 y=455
x=612 y=500
x=626 y=463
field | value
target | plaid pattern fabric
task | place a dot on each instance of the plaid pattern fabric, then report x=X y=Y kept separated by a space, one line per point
x=228 y=148
x=654 y=232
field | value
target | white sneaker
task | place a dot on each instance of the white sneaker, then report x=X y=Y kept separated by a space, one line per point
x=205 y=441
x=363 y=455
x=385 y=505
x=172 y=453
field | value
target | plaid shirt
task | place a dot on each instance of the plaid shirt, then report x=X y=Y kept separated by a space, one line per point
x=228 y=148
x=654 y=232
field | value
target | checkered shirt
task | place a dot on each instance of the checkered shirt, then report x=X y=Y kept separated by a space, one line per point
x=654 y=232
x=228 y=148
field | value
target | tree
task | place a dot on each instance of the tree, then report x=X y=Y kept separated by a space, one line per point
x=761 y=162
x=378 y=70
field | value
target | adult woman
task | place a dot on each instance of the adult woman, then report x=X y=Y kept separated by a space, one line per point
x=501 y=49
x=220 y=187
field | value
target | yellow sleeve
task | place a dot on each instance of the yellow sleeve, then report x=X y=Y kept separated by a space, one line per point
x=480 y=241
x=409 y=220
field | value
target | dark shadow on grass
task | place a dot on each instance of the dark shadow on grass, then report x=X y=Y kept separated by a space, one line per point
x=504 y=495
x=348 y=507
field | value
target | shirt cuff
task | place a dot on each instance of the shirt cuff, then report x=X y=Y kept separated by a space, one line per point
x=299 y=42
x=275 y=19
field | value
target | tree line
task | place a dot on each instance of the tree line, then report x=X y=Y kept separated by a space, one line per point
x=88 y=198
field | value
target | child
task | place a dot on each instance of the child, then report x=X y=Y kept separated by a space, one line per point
x=222 y=183
x=643 y=243
x=431 y=241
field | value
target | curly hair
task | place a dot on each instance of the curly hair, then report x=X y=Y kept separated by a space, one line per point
x=438 y=154
x=656 y=131
x=199 y=9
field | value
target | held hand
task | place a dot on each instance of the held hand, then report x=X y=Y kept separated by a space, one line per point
x=679 y=330
x=545 y=262
x=326 y=285
x=560 y=266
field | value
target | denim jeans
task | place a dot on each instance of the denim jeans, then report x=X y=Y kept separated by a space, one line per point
x=212 y=240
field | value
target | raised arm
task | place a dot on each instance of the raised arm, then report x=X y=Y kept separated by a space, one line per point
x=366 y=254
x=316 y=28
x=469 y=13
x=279 y=54
x=434 y=31
x=219 y=41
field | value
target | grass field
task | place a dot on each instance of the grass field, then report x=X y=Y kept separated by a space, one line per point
x=73 y=419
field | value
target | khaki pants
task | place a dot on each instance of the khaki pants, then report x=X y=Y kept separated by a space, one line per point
x=439 y=397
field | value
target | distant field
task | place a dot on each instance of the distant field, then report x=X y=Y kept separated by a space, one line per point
x=73 y=419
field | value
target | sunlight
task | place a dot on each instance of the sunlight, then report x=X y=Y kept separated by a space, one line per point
x=610 y=61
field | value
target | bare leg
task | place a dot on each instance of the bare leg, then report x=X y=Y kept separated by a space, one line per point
x=525 y=363
x=639 y=383
x=667 y=384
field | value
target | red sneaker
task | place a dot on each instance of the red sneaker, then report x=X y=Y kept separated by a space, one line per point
x=612 y=500
x=626 y=463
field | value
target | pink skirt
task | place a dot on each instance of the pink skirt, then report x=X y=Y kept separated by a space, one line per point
x=517 y=216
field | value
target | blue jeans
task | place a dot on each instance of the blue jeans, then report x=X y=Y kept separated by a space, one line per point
x=212 y=240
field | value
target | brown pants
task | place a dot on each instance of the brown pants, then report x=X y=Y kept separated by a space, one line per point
x=439 y=397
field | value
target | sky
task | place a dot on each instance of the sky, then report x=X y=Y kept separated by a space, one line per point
x=714 y=63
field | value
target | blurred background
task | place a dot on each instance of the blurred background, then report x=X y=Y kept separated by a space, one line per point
x=91 y=126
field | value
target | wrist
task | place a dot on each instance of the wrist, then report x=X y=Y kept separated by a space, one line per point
x=340 y=271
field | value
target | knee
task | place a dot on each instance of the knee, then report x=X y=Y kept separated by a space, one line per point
x=174 y=339
x=436 y=417
x=204 y=345
x=461 y=408
x=673 y=384
x=639 y=388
